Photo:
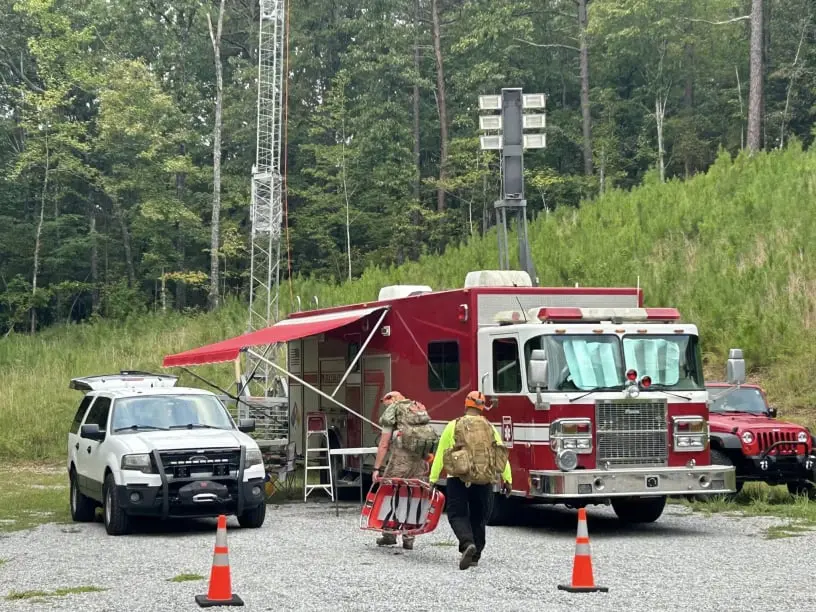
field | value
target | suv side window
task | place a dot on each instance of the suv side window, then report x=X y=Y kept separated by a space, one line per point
x=83 y=408
x=98 y=414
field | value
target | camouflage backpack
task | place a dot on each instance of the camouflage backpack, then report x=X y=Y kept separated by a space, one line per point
x=414 y=431
x=475 y=457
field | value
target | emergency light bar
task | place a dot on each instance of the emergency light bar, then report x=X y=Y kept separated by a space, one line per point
x=587 y=315
x=596 y=315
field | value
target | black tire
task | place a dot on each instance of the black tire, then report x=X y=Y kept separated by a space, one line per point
x=802 y=488
x=719 y=457
x=83 y=508
x=117 y=522
x=638 y=510
x=253 y=518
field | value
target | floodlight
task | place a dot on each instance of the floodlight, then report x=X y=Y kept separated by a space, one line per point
x=534 y=141
x=534 y=100
x=490 y=122
x=491 y=102
x=491 y=142
x=533 y=122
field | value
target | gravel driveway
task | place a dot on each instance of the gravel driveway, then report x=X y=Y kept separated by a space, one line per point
x=305 y=558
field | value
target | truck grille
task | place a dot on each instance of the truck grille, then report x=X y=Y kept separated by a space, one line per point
x=768 y=438
x=200 y=462
x=632 y=432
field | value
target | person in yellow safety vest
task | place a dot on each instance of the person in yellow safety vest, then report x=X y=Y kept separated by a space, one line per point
x=469 y=504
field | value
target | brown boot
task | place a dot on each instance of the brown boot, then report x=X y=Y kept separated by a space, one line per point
x=408 y=543
x=387 y=539
x=467 y=557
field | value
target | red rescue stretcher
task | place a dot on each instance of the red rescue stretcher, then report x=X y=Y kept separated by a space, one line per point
x=402 y=506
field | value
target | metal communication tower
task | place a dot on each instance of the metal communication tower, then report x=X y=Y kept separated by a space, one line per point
x=267 y=179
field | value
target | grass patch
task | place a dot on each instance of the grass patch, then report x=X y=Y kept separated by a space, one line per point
x=791 y=530
x=444 y=543
x=31 y=496
x=62 y=592
x=759 y=499
x=185 y=578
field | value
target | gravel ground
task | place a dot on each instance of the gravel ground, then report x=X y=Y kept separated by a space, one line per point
x=305 y=558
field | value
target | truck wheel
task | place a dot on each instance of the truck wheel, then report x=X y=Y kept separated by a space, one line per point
x=638 y=510
x=799 y=488
x=82 y=508
x=117 y=522
x=253 y=518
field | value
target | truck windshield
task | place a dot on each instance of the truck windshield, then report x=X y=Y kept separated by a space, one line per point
x=600 y=361
x=745 y=399
x=169 y=412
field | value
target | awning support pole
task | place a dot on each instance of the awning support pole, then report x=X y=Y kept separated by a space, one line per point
x=308 y=386
x=360 y=352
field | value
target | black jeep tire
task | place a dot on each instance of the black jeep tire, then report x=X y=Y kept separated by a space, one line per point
x=799 y=488
x=117 y=522
x=83 y=508
x=719 y=457
x=638 y=510
x=253 y=518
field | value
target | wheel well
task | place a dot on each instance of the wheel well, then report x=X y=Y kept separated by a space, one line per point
x=106 y=472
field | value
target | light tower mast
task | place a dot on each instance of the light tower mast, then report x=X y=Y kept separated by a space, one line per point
x=267 y=181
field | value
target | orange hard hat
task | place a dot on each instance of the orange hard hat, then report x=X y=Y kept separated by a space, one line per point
x=392 y=396
x=476 y=400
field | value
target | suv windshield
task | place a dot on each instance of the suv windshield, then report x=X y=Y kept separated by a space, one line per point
x=169 y=412
x=744 y=399
x=600 y=361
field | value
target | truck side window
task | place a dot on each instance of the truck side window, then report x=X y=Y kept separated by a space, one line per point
x=83 y=408
x=443 y=366
x=99 y=413
x=506 y=366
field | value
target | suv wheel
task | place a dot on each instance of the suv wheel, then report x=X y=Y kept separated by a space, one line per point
x=116 y=521
x=253 y=518
x=82 y=508
x=798 y=488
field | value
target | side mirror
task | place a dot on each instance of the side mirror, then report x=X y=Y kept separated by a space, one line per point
x=539 y=369
x=735 y=367
x=91 y=432
x=246 y=425
x=772 y=412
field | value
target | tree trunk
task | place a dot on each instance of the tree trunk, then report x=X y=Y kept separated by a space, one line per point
x=94 y=260
x=688 y=100
x=660 y=114
x=586 y=115
x=215 y=38
x=417 y=169
x=120 y=217
x=755 y=90
x=37 y=237
x=443 y=107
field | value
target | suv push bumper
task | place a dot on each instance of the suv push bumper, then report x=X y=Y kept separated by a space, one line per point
x=192 y=497
x=780 y=468
x=658 y=481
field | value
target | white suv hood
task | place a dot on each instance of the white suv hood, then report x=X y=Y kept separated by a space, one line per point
x=182 y=439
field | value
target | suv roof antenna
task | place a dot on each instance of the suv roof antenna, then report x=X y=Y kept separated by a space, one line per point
x=637 y=293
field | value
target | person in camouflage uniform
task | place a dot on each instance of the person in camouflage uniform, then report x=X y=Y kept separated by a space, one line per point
x=401 y=463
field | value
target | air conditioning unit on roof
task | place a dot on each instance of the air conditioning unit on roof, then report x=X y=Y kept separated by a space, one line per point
x=393 y=292
x=497 y=278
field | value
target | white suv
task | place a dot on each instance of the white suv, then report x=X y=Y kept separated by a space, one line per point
x=139 y=445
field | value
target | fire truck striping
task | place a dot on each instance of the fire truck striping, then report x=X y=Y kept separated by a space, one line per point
x=537 y=434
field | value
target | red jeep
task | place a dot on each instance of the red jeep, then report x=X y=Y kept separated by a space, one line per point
x=744 y=433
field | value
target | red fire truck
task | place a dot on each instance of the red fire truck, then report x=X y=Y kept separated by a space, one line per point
x=599 y=399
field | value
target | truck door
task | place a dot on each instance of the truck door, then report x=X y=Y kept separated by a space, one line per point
x=89 y=458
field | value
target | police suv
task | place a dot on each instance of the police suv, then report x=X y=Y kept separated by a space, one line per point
x=139 y=445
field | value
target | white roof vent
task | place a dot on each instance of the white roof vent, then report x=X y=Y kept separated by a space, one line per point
x=497 y=278
x=393 y=292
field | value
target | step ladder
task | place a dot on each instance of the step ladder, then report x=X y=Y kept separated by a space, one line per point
x=316 y=426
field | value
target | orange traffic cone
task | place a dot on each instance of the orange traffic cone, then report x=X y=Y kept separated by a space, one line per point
x=220 y=591
x=582 y=580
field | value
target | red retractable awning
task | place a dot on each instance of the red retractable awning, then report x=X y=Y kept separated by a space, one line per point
x=284 y=331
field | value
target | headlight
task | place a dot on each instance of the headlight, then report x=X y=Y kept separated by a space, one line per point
x=571 y=434
x=139 y=463
x=567 y=460
x=747 y=437
x=690 y=433
x=253 y=457
x=803 y=436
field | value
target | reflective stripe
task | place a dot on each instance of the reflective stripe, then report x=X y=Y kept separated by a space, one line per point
x=221 y=550
x=220 y=560
x=580 y=540
x=221 y=538
x=582 y=529
x=582 y=550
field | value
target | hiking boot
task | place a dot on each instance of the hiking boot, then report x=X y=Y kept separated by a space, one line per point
x=467 y=557
x=386 y=540
x=407 y=544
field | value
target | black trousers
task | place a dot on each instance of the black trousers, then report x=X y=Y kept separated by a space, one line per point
x=469 y=509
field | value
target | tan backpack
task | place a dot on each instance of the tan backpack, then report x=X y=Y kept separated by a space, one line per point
x=415 y=433
x=475 y=457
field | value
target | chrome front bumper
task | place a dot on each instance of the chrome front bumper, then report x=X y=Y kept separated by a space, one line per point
x=704 y=480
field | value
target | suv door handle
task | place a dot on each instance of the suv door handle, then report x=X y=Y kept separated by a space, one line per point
x=76 y=446
x=89 y=450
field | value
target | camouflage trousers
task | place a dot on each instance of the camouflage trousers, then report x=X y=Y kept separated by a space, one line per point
x=402 y=465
